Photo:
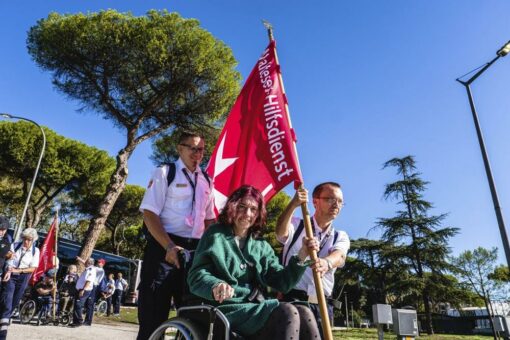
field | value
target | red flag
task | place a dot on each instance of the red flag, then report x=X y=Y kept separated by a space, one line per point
x=256 y=145
x=47 y=253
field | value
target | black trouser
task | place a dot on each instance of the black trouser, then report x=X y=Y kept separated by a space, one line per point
x=79 y=302
x=159 y=282
x=90 y=304
x=299 y=295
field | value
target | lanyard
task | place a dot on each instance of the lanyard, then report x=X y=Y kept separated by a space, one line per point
x=323 y=242
x=22 y=255
x=193 y=186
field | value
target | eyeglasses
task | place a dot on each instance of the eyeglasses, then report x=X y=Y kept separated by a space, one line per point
x=333 y=200
x=193 y=149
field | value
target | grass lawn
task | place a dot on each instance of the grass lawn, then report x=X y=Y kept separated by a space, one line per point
x=129 y=315
x=359 y=334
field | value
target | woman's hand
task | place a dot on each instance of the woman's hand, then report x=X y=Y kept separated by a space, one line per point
x=309 y=244
x=222 y=291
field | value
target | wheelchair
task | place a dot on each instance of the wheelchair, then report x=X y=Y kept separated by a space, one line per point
x=39 y=308
x=196 y=322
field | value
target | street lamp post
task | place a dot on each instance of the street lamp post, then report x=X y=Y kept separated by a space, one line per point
x=17 y=229
x=501 y=223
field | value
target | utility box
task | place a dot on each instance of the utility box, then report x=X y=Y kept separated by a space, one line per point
x=502 y=325
x=382 y=314
x=499 y=323
x=405 y=322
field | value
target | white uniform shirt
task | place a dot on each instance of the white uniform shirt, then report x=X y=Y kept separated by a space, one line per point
x=23 y=258
x=99 y=275
x=110 y=287
x=173 y=203
x=120 y=284
x=327 y=245
x=89 y=274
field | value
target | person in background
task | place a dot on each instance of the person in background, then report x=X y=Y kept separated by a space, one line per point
x=44 y=290
x=5 y=254
x=120 y=286
x=68 y=289
x=5 y=244
x=84 y=287
x=108 y=293
x=20 y=267
x=96 y=293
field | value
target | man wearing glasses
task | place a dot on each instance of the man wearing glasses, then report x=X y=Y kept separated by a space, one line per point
x=328 y=200
x=177 y=207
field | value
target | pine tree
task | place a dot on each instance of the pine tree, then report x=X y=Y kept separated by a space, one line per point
x=421 y=242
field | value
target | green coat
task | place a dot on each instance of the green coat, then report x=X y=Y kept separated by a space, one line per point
x=219 y=259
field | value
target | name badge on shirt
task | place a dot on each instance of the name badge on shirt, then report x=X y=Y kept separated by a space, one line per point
x=181 y=185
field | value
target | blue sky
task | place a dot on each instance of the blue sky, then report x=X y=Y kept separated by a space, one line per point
x=366 y=81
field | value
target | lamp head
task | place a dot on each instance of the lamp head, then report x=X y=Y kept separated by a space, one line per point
x=503 y=51
x=5 y=115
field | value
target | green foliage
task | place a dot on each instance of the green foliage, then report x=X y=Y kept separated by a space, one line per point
x=476 y=270
x=140 y=72
x=124 y=224
x=500 y=274
x=274 y=209
x=419 y=243
x=68 y=168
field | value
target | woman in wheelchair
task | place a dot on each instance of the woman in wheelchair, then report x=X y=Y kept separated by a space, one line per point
x=232 y=261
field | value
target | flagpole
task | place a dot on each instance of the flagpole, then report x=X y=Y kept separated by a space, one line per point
x=326 y=327
x=55 y=257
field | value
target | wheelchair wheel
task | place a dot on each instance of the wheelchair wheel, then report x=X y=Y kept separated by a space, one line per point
x=65 y=318
x=178 y=328
x=101 y=308
x=27 y=311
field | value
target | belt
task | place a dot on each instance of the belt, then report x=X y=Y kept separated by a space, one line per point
x=16 y=274
x=187 y=243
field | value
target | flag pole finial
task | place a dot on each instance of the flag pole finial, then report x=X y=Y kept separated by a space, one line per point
x=269 y=28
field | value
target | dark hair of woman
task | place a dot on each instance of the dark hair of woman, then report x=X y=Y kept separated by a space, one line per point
x=229 y=212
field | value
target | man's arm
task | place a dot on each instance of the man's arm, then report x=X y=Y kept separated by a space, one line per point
x=337 y=258
x=282 y=225
x=153 y=223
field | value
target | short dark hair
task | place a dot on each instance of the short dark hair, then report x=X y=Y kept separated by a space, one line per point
x=4 y=223
x=184 y=135
x=228 y=213
x=318 y=189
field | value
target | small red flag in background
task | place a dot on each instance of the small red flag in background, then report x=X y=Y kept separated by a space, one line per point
x=256 y=146
x=47 y=253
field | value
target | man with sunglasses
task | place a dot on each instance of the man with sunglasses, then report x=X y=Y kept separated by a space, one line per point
x=176 y=215
x=328 y=201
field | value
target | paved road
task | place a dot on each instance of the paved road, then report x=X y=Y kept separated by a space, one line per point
x=112 y=331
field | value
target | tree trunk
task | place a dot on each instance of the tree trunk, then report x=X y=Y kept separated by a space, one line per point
x=428 y=313
x=113 y=191
x=485 y=300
